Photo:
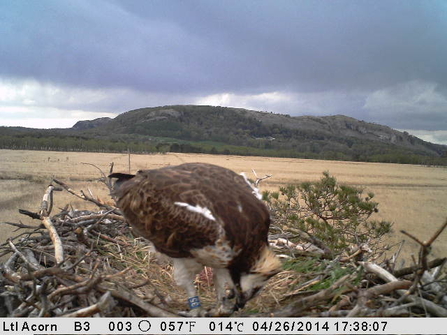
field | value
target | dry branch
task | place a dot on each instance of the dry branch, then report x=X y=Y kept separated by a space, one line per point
x=28 y=262
x=46 y=207
x=411 y=269
x=123 y=294
x=388 y=277
x=85 y=197
x=104 y=303
x=259 y=179
x=58 y=248
x=45 y=211
x=300 y=305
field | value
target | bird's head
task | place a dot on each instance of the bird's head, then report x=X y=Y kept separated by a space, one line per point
x=265 y=267
x=120 y=178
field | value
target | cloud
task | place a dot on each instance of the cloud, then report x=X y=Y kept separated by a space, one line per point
x=435 y=136
x=206 y=47
x=45 y=117
x=292 y=103
x=417 y=104
x=29 y=103
x=262 y=101
x=376 y=61
x=42 y=122
x=411 y=105
x=101 y=45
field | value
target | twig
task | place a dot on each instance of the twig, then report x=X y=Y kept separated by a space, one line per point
x=259 y=179
x=53 y=271
x=393 y=311
x=304 y=285
x=120 y=273
x=44 y=215
x=423 y=262
x=125 y=295
x=32 y=215
x=23 y=257
x=46 y=205
x=387 y=288
x=96 y=217
x=411 y=269
x=78 y=288
x=83 y=196
x=296 y=307
x=99 y=169
x=105 y=302
x=436 y=234
x=110 y=239
x=58 y=248
x=388 y=277
x=396 y=256
x=379 y=271
x=21 y=225
x=360 y=308
x=8 y=272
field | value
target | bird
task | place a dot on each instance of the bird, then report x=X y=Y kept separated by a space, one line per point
x=200 y=215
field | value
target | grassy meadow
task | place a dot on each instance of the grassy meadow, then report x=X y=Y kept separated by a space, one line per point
x=413 y=197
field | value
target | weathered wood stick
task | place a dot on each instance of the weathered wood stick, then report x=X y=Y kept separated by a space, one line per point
x=45 y=211
x=300 y=305
x=388 y=277
x=105 y=302
x=122 y=294
x=410 y=269
x=23 y=257
x=58 y=248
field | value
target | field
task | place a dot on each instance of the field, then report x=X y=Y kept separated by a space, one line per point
x=413 y=197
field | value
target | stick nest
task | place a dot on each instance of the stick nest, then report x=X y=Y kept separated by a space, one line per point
x=88 y=263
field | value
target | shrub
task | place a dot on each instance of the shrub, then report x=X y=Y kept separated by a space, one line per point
x=333 y=217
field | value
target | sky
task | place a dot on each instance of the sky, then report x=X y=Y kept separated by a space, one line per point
x=381 y=61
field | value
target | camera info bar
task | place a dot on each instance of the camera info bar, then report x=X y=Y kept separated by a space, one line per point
x=24 y=326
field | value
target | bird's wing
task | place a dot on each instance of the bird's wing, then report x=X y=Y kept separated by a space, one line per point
x=164 y=206
x=244 y=217
x=191 y=206
x=231 y=200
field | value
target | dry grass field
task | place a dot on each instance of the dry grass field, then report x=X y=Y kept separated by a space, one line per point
x=413 y=197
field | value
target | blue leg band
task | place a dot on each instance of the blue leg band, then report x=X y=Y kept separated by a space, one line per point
x=194 y=302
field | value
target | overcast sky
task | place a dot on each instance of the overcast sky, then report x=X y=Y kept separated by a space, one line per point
x=381 y=61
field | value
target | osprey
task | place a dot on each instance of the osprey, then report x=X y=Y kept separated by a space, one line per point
x=203 y=215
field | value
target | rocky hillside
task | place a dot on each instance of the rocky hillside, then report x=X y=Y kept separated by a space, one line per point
x=89 y=124
x=222 y=130
x=237 y=126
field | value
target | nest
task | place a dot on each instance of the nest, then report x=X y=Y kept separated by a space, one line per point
x=86 y=263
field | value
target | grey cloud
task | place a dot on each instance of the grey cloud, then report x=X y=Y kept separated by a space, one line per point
x=98 y=45
x=356 y=57
x=437 y=136
x=226 y=45
x=411 y=105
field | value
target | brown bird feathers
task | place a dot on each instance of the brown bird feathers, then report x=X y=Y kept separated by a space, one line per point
x=204 y=214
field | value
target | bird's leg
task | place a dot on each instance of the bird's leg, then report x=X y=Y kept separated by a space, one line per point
x=185 y=271
x=225 y=292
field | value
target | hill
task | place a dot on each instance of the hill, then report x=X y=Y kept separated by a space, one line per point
x=189 y=128
x=89 y=124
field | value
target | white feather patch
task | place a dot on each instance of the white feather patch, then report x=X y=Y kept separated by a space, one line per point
x=255 y=189
x=197 y=209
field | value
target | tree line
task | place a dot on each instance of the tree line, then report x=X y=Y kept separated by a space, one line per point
x=316 y=149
